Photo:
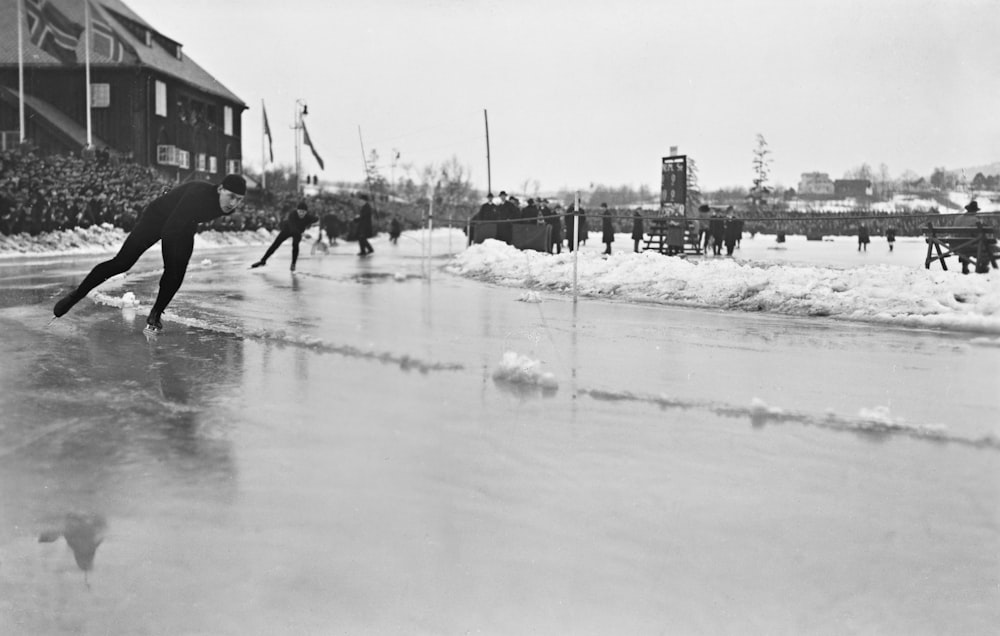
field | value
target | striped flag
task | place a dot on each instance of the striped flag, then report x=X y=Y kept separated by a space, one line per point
x=105 y=41
x=305 y=138
x=50 y=30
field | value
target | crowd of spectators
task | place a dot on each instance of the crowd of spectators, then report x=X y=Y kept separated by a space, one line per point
x=41 y=194
x=62 y=192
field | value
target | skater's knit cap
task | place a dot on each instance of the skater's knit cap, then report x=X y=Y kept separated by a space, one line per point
x=235 y=184
x=973 y=206
x=303 y=206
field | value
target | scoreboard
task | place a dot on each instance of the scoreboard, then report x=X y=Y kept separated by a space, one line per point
x=673 y=180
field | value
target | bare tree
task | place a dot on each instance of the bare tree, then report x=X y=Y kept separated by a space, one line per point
x=761 y=171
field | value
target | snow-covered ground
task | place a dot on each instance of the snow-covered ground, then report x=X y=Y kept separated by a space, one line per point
x=807 y=278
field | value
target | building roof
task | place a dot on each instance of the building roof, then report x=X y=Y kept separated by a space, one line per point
x=126 y=24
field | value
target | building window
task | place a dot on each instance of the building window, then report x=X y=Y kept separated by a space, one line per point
x=213 y=164
x=183 y=159
x=166 y=155
x=100 y=95
x=178 y=52
x=161 y=99
x=9 y=139
x=233 y=166
x=149 y=38
x=200 y=165
x=227 y=120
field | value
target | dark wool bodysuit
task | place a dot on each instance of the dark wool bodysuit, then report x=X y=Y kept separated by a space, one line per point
x=173 y=218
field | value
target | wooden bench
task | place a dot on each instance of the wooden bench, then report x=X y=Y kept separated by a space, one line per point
x=975 y=245
x=672 y=236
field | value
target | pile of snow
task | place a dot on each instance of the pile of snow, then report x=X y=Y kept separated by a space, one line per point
x=890 y=294
x=105 y=238
x=523 y=373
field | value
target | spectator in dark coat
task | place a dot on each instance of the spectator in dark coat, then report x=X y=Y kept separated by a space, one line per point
x=365 y=228
x=607 y=228
x=553 y=217
x=637 y=229
x=890 y=236
x=731 y=233
x=395 y=229
x=863 y=237
x=717 y=230
x=507 y=213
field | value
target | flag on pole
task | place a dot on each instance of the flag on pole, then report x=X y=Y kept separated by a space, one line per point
x=50 y=30
x=105 y=41
x=267 y=133
x=305 y=138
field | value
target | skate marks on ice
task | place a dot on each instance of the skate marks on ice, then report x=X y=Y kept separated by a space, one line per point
x=365 y=278
x=875 y=423
x=284 y=337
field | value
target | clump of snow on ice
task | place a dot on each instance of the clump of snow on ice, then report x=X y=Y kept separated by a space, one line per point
x=206 y=262
x=399 y=276
x=530 y=297
x=129 y=300
x=519 y=369
x=761 y=412
x=877 y=415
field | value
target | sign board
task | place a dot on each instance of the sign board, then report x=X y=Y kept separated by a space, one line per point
x=673 y=180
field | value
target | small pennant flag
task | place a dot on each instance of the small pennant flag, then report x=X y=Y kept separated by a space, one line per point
x=267 y=132
x=305 y=138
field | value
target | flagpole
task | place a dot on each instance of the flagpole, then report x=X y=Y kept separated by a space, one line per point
x=364 y=159
x=20 y=67
x=86 y=20
x=263 y=157
x=489 y=184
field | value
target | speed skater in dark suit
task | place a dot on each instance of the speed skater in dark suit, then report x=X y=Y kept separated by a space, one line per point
x=293 y=226
x=172 y=218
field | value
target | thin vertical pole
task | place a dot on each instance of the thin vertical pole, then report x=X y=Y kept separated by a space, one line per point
x=263 y=157
x=297 y=126
x=576 y=240
x=20 y=66
x=489 y=179
x=86 y=57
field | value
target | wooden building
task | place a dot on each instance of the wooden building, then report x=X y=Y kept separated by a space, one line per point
x=149 y=101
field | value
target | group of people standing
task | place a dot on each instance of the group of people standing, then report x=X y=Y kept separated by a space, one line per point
x=722 y=231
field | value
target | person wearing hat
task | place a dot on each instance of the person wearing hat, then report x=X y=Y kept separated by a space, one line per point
x=173 y=219
x=969 y=219
x=607 y=228
x=293 y=226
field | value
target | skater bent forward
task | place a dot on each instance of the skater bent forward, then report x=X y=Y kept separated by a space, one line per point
x=173 y=219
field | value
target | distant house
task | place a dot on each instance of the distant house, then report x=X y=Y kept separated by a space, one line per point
x=816 y=184
x=852 y=188
x=148 y=101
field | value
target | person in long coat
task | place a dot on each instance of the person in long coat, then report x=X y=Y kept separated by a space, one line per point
x=863 y=237
x=731 y=234
x=717 y=230
x=890 y=236
x=607 y=228
x=365 y=229
x=637 y=229
x=554 y=218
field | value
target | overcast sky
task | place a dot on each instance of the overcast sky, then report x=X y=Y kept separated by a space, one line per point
x=595 y=92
